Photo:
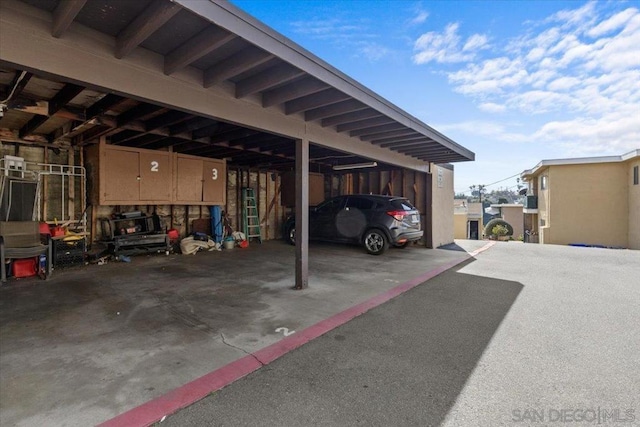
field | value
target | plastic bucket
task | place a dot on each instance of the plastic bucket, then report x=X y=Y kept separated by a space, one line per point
x=229 y=244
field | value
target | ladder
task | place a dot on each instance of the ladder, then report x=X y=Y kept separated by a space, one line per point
x=250 y=219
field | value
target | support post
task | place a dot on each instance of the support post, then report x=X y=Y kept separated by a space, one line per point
x=428 y=229
x=302 y=214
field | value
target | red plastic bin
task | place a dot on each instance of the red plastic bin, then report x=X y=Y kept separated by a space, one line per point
x=26 y=267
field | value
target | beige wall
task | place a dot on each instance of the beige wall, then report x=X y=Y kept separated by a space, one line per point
x=442 y=209
x=460 y=226
x=634 y=206
x=514 y=216
x=586 y=203
x=544 y=231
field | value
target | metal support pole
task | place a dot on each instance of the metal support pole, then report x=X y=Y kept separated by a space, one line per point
x=302 y=214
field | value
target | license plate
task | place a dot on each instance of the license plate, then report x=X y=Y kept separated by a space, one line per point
x=415 y=218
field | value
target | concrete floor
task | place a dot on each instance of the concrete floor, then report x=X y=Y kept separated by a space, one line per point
x=95 y=341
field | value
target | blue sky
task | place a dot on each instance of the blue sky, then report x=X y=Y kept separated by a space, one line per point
x=514 y=81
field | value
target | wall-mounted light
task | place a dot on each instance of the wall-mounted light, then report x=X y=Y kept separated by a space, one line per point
x=355 y=166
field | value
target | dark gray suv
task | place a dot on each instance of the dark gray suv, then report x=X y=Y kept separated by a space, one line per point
x=371 y=220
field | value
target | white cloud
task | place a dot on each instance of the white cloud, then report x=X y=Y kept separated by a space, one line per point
x=485 y=129
x=575 y=18
x=492 y=76
x=577 y=72
x=420 y=17
x=372 y=51
x=446 y=47
x=613 y=134
x=475 y=42
x=616 y=22
x=540 y=102
x=563 y=83
x=355 y=35
x=491 y=107
x=536 y=54
x=340 y=32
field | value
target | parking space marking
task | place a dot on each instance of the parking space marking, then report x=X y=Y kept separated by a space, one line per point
x=285 y=331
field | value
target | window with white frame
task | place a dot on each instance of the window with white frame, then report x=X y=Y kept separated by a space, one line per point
x=544 y=181
x=636 y=173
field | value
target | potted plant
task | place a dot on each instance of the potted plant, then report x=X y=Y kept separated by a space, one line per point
x=501 y=232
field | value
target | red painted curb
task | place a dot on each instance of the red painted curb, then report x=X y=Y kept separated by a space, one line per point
x=181 y=397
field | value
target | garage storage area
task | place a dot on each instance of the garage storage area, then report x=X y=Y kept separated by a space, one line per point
x=139 y=123
x=198 y=82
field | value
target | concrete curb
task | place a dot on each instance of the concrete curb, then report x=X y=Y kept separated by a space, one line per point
x=181 y=397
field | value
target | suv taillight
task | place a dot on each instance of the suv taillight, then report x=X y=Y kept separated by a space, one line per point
x=398 y=215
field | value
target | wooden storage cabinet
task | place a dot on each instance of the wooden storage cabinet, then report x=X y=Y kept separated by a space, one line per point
x=200 y=181
x=133 y=176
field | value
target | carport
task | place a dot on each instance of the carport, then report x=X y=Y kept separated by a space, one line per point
x=202 y=78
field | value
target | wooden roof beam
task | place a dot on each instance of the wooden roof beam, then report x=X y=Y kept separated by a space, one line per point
x=17 y=85
x=232 y=135
x=392 y=134
x=64 y=14
x=363 y=124
x=316 y=100
x=347 y=106
x=195 y=48
x=66 y=94
x=377 y=129
x=167 y=119
x=403 y=142
x=296 y=89
x=235 y=65
x=273 y=76
x=189 y=125
x=135 y=113
x=145 y=24
x=421 y=150
x=103 y=105
x=262 y=140
x=349 y=117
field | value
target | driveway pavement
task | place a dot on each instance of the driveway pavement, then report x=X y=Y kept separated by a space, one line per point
x=522 y=335
x=94 y=342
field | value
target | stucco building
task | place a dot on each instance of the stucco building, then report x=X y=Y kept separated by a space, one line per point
x=511 y=213
x=592 y=201
x=467 y=218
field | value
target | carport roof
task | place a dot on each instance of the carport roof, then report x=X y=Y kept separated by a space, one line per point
x=229 y=47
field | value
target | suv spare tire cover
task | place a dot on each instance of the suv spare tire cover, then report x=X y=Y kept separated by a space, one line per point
x=351 y=222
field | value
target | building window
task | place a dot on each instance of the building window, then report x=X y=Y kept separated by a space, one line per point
x=636 y=178
x=542 y=222
x=543 y=182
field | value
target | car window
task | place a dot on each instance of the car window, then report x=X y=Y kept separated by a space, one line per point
x=330 y=206
x=403 y=205
x=359 y=203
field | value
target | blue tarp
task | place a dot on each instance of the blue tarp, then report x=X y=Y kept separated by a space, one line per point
x=216 y=223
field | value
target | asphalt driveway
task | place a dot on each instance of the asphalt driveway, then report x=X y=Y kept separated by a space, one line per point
x=522 y=335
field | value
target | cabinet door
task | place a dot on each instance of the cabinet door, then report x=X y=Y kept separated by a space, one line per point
x=155 y=176
x=214 y=177
x=121 y=180
x=188 y=179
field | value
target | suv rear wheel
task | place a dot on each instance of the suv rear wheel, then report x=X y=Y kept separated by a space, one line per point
x=375 y=241
x=290 y=235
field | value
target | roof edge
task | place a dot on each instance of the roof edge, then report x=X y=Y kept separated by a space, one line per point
x=234 y=19
x=581 y=161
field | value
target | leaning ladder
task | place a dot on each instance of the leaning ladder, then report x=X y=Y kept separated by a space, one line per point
x=250 y=219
